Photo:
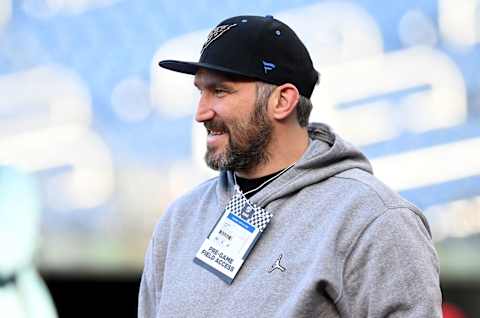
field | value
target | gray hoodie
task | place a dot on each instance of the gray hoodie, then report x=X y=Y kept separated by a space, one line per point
x=348 y=245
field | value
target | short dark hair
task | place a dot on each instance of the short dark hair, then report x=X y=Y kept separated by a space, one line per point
x=304 y=105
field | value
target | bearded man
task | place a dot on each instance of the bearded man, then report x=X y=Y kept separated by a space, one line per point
x=295 y=225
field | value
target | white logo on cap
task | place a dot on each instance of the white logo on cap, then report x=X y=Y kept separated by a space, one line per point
x=215 y=34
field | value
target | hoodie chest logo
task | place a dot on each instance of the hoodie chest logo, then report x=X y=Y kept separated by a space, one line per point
x=277 y=265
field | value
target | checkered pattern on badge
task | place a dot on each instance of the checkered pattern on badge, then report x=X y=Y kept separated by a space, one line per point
x=236 y=204
x=260 y=218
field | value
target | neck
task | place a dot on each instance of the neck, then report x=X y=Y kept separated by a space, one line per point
x=285 y=148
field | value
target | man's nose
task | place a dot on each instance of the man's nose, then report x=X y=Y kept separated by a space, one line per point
x=204 y=110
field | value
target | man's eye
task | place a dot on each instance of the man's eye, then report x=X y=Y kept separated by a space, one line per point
x=220 y=91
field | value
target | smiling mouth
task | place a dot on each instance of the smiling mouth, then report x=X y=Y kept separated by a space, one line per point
x=215 y=132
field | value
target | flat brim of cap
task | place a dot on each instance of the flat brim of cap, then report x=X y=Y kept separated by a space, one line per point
x=193 y=67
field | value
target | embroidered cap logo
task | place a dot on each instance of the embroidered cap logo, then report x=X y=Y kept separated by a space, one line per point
x=267 y=66
x=215 y=34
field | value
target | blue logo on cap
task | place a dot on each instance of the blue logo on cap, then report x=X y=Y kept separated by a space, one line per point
x=268 y=66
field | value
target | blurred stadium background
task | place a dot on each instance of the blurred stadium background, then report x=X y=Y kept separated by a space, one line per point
x=107 y=139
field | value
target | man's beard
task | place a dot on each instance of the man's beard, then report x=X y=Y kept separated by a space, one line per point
x=247 y=141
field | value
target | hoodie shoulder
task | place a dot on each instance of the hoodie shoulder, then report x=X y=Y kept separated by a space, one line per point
x=389 y=198
x=386 y=198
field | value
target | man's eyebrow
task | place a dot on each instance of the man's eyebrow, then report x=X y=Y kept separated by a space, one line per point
x=209 y=83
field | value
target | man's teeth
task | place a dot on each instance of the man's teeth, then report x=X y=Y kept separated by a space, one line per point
x=215 y=133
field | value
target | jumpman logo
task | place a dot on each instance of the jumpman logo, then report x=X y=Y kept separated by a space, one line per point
x=277 y=265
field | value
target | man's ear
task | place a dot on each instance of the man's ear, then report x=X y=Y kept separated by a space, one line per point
x=284 y=101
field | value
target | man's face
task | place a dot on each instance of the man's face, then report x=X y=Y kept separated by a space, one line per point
x=239 y=129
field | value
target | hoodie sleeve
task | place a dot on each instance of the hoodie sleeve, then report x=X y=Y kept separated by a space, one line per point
x=152 y=277
x=148 y=285
x=392 y=270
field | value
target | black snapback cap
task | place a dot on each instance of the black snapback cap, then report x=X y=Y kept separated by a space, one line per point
x=261 y=48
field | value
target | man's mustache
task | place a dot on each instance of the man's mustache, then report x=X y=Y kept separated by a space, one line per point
x=216 y=125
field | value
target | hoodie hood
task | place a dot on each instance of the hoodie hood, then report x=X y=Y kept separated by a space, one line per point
x=327 y=155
